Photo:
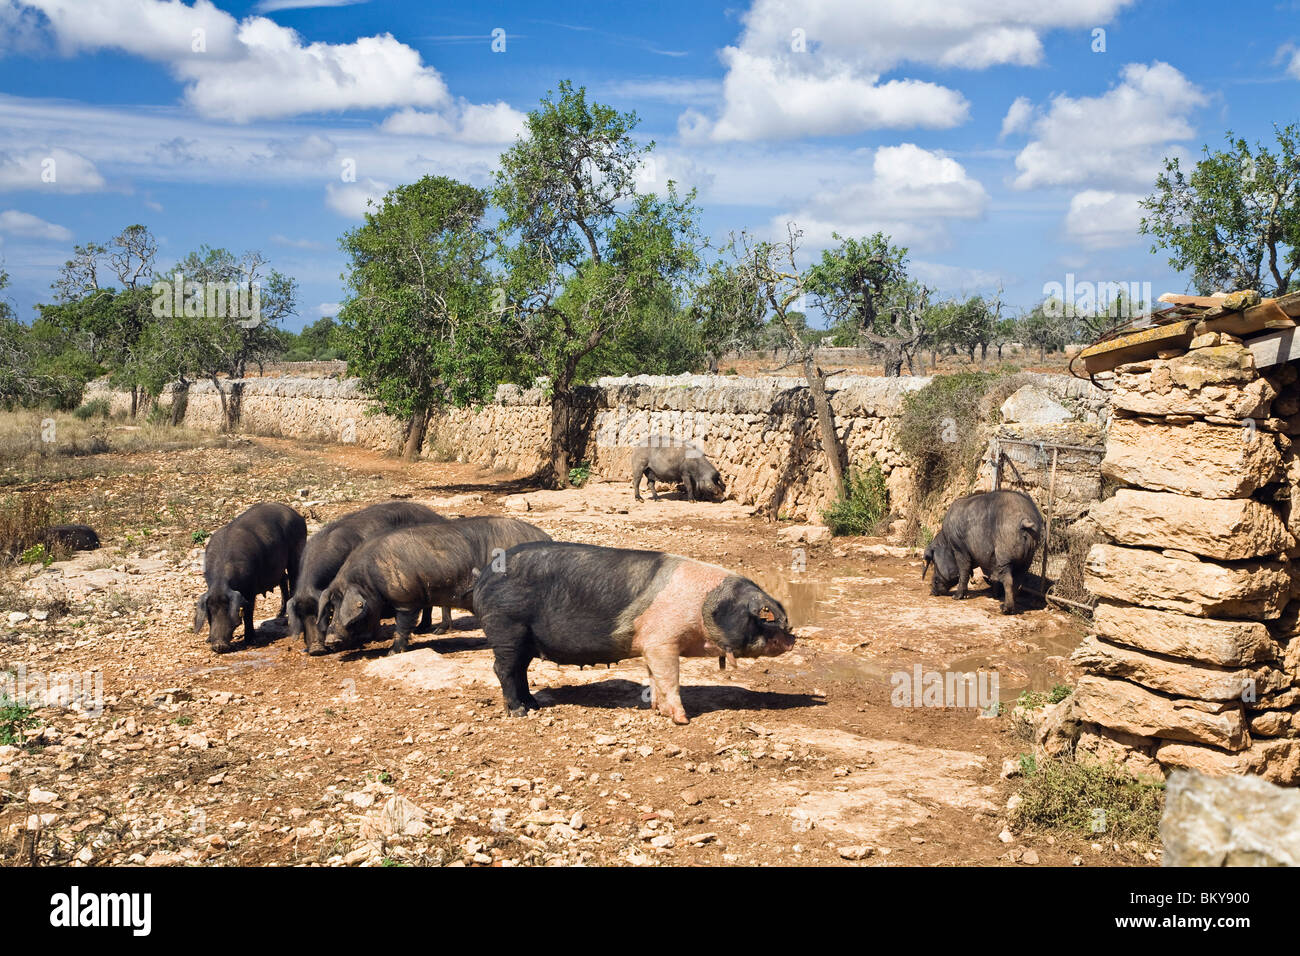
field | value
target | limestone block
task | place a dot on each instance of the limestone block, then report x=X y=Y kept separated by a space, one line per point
x=1225 y=643
x=1254 y=589
x=1229 y=529
x=1196 y=458
x=1126 y=707
x=1216 y=380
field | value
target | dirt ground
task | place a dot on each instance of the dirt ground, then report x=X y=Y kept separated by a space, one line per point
x=269 y=756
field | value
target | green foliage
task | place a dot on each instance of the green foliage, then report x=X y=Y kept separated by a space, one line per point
x=1234 y=221
x=37 y=554
x=939 y=427
x=864 y=506
x=15 y=718
x=198 y=537
x=1078 y=798
x=96 y=408
x=416 y=325
x=580 y=473
x=1032 y=700
x=23 y=519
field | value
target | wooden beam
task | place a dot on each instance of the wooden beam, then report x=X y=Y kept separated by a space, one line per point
x=1258 y=318
x=1137 y=346
x=1205 y=301
x=1275 y=348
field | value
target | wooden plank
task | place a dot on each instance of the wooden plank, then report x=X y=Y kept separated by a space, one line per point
x=1290 y=304
x=1136 y=346
x=1275 y=348
x=1204 y=301
x=1258 y=318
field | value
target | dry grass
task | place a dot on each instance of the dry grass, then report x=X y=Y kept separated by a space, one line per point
x=22 y=519
x=43 y=444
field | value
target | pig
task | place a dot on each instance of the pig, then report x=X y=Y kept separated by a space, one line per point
x=409 y=569
x=70 y=537
x=255 y=552
x=996 y=531
x=584 y=604
x=685 y=464
x=329 y=547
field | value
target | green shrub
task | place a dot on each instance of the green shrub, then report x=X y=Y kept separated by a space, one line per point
x=14 y=719
x=97 y=408
x=864 y=507
x=37 y=554
x=1089 y=800
x=580 y=474
x=939 y=428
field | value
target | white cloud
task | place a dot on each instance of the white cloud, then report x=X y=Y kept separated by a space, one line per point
x=1292 y=67
x=773 y=98
x=1098 y=219
x=668 y=89
x=911 y=196
x=954 y=279
x=1114 y=140
x=352 y=199
x=465 y=122
x=805 y=67
x=271 y=6
x=327 y=308
x=24 y=224
x=1018 y=116
x=55 y=170
x=250 y=69
x=283 y=240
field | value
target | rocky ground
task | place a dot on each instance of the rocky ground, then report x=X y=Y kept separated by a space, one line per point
x=268 y=756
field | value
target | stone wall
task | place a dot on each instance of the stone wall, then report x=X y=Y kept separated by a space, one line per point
x=1193 y=660
x=760 y=432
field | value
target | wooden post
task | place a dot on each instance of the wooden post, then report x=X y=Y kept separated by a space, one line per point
x=1047 y=530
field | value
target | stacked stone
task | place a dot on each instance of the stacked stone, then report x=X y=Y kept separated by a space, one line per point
x=1191 y=660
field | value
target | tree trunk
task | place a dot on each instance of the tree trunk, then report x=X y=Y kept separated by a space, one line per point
x=825 y=423
x=984 y=352
x=234 y=406
x=559 y=439
x=416 y=426
x=180 y=399
x=135 y=400
x=893 y=361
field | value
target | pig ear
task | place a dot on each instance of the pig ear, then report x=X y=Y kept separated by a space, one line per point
x=236 y=604
x=201 y=613
x=326 y=609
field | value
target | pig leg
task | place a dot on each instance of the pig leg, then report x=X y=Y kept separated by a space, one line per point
x=426 y=621
x=406 y=622
x=445 y=626
x=1008 y=582
x=963 y=575
x=664 y=664
x=250 y=631
x=512 y=658
x=636 y=485
x=690 y=487
x=654 y=487
x=284 y=599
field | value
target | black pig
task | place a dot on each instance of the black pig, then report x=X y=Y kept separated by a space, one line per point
x=583 y=604
x=996 y=531
x=678 y=463
x=253 y=554
x=70 y=537
x=329 y=547
x=412 y=568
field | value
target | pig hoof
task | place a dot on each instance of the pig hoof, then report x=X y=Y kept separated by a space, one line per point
x=223 y=648
x=681 y=718
x=522 y=710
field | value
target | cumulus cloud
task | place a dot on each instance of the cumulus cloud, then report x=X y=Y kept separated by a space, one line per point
x=1293 y=66
x=250 y=69
x=465 y=122
x=1099 y=219
x=815 y=67
x=353 y=199
x=1116 y=139
x=54 y=170
x=27 y=226
x=912 y=195
x=1018 y=116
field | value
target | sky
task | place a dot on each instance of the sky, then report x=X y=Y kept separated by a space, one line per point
x=1003 y=142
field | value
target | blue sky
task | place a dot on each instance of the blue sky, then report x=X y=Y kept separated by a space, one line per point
x=989 y=137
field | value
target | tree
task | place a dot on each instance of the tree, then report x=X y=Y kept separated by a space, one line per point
x=580 y=248
x=862 y=285
x=217 y=313
x=774 y=272
x=106 y=323
x=1045 y=327
x=1235 y=220
x=660 y=338
x=730 y=307
x=416 y=324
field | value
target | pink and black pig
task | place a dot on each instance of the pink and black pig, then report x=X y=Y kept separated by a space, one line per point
x=583 y=604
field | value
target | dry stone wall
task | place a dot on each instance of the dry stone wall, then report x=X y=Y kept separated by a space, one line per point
x=1192 y=660
x=760 y=432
